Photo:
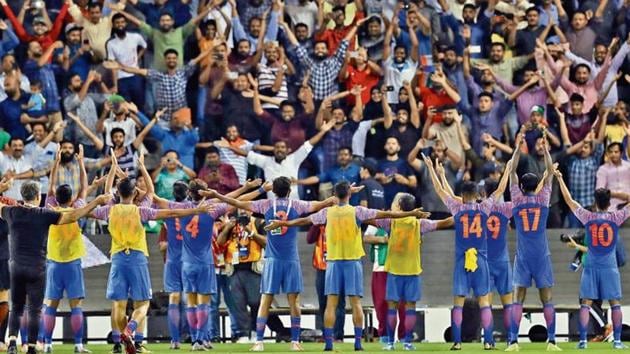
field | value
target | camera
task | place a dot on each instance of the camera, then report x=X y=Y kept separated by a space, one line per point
x=38 y=4
x=578 y=237
x=218 y=56
x=243 y=220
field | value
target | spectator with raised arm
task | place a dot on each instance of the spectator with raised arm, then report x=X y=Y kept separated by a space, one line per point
x=41 y=33
x=170 y=84
x=333 y=36
x=257 y=25
x=584 y=158
x=402 y=64
x=38 y=67
x=324 y=69
x=83 y=102
x=219 y=175
x=127 y=48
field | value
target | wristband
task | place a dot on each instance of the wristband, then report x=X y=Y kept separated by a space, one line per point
x=261 y=190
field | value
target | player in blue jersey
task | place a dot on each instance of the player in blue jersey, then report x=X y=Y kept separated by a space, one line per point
x=471 y=265
x=282 y=272
x=497 y=226
x=533 y=259
x=173 y=266
x=197 y=262
x=600 y=275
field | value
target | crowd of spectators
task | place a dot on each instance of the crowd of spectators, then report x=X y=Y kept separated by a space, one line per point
x=318 y=91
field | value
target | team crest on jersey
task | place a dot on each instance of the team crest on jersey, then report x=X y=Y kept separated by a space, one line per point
x=280 y=215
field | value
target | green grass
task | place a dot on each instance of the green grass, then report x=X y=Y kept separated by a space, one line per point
x=596 y=348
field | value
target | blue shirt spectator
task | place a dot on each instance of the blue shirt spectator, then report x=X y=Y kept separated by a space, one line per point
x=179 y=138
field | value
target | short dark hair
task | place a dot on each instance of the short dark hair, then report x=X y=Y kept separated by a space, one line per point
x=36 y=82
x=498 y=44
x=30 y=191
x=171 y=51
x=33 y=125
x=212 y=150
x=116 y=130
x=63 y=194
x=287 y=103
x=118 y=16
x=180 y=190
x=602 y=198
x=469 y=6
x=490 y=185
x=301 y=24
x=93 y=4
x=166 y=13
x=614 y=144
x=529 y=182
x=126 y=187
x=342 y=189
x=195 y=186
x=581 y=65
x=486 y=94
x=406 y=202
x=345 y=147
x=371 y=165
x=15 y=138
x=576 y=97
x=339 y=8
x=66 y=141
x=532 y=8
x=469 y=188
x=169 y=151
x=281 y=187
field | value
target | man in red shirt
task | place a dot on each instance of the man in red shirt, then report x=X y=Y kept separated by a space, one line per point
x=358 y=70
x=439 y=93
x=333 y=37
x=42 y=35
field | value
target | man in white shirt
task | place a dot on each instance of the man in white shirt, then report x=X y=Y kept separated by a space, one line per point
x=127 y=48
x=41 y=151
x=284 y=164
x=16 y=166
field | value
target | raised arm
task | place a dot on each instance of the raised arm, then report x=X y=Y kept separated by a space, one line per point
x=211 y=193
x=83 y=188
x=76 y=214
x=548 y=161
x=52 y=179
x=516 y=158
x=439 y=189
x=137 y=142
x=98 y=143
x=274 y=224
x=503 y=182
x=573 y=205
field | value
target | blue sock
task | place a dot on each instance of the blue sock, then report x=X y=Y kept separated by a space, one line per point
x=138 y=338
x=456 y=323
x=583 y=320
x=358 y=334
x=295 y=328
x=328 y=338
x=390 y=325
x=41 y=334
x=132 y=326
x=116 y=337
x=487 y=324
x=76 y=323
x=174 y=317
x=261 y=323
x=549 y=312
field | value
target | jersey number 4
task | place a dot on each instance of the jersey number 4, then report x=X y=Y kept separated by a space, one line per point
x=473 y=227
x=193 y=226
x=525 y=216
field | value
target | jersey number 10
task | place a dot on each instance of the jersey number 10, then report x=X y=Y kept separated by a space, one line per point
x=601 y=235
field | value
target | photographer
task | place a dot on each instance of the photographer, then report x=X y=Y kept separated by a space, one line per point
x=243 y=240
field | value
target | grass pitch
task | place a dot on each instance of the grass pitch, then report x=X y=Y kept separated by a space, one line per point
x=595 y=348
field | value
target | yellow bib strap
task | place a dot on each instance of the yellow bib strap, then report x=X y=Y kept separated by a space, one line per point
x=470 y=260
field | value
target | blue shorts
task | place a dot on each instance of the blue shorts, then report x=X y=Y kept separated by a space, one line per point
x=173 y=277
x=199 y=278
x=538 y=269
x=501 y=277
x=478 y=281
x=66 y=276
x=280 y=276
x=600 y=284
x=129 y=277
x=344 y=277
x=405 y=288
